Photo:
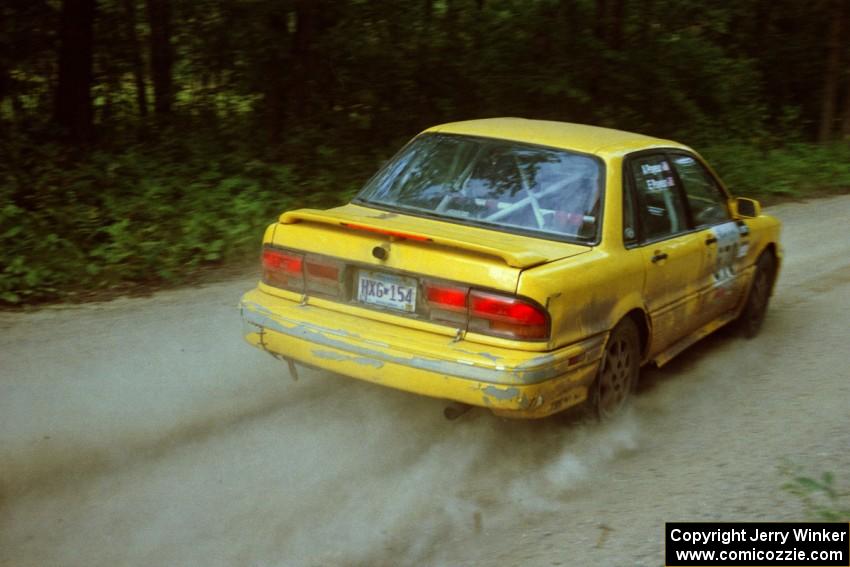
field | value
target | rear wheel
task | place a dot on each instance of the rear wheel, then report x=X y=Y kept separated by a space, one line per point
x=755 y=309
x=618 y=372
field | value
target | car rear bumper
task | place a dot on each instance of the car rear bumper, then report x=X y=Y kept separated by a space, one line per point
x=510 y=382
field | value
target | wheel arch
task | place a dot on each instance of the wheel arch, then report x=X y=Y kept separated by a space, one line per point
x=609 y=386
x=771 y=249
x=641 y=321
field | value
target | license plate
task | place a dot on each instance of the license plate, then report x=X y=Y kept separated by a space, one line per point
x=386 y=290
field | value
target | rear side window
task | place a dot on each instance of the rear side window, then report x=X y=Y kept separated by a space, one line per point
x=659 y=205
x=630 y=224
x=705 y=197
x=499 y=183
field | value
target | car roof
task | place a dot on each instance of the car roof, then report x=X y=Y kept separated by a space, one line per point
x=566 y=135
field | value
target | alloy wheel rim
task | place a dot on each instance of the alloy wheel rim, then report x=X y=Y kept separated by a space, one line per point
x=616 y=378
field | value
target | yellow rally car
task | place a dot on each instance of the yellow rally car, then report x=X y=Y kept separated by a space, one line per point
x=519 y=265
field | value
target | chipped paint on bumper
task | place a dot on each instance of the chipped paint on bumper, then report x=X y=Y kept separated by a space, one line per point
x=512 y=383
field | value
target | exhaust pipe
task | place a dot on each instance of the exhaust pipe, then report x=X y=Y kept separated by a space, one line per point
x=455 y=409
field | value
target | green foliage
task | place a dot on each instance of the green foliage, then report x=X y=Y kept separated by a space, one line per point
x=142 y=215
x=796 y=170
x=822 y=499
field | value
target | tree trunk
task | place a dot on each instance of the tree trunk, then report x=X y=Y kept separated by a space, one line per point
x=647 y=11
x=833 y=69
x=5 y=82
x=600 y=24
x=616 y=33
x=276 y=83
x=424 y=49
x=162 y=55
x=73 y=104
x=610 y=22
x=136 y=58
x=845 y=125
x=302 y=55
x=600 y=31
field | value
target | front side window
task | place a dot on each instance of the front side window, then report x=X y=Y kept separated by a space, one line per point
x=660 y=207
x=705 y=198
x=498 y=183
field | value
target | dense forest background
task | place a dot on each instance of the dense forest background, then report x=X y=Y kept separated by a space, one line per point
x=143 y=140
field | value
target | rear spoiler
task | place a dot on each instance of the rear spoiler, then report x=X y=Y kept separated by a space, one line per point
x=482 y=245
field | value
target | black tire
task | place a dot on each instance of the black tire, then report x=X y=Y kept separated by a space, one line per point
x=752 y=316
x=618 y=371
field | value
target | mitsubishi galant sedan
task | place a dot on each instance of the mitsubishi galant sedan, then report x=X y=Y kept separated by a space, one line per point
x=518 y=265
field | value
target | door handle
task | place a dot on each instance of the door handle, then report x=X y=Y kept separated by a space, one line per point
x=710 y=240
x=659 y=256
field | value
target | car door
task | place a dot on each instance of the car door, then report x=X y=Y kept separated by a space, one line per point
x=724 y=239
x=672 y=253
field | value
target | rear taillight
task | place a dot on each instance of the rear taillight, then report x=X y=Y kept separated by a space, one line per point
x=485 y=312
x=283 y=269
x=477 y=311
x=324 y=276
x=306 y=274
x=506 y=316
x=447 y=303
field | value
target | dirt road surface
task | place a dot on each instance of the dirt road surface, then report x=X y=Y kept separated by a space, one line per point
x=144 y=432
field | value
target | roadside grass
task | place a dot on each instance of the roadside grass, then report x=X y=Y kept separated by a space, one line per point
x=164 y=213
x=794 y=171
x=821 y=497
x=139 y=218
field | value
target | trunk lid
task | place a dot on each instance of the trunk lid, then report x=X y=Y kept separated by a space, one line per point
x=368 y=241
x=514 y=250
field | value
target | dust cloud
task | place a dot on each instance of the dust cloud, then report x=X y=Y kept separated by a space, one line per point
x=146 y=457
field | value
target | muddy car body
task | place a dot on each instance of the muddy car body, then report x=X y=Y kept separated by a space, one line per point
x=523 y=266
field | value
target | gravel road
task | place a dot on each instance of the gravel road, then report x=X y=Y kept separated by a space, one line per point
x=144 y=432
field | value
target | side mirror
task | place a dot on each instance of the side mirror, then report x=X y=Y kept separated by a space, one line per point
x=747 y=208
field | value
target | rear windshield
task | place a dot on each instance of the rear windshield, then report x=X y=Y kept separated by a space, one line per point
x=508 y=185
